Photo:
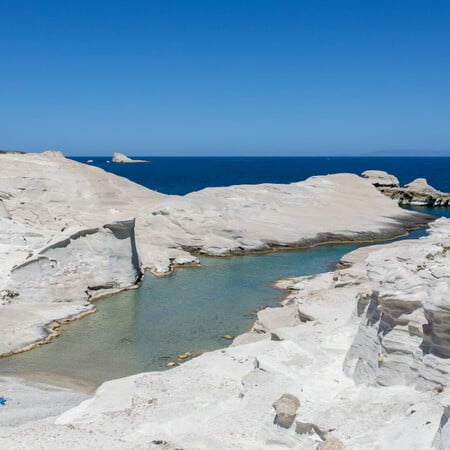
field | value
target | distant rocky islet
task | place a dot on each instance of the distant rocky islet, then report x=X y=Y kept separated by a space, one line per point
x=121 y=158
x=416 y=193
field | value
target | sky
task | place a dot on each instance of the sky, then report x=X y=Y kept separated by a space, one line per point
x=211 y=78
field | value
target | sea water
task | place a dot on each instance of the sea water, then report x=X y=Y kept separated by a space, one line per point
x=142 y=330
x=183 y=175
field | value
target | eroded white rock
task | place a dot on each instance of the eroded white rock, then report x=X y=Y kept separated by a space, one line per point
x=121 y=158
x=404 y=332
x=45 y=198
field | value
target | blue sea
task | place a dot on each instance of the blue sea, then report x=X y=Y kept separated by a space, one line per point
x=141 y=330
x=183 y=175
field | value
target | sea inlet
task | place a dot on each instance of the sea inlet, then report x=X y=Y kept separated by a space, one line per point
x=191 y=311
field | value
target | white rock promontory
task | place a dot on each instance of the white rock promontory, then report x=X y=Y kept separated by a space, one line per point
x=121 y=158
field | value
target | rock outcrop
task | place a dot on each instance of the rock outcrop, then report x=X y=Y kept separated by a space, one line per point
x=442 y=438
x=222 y=399
x=404 y=335
x=416 y=193
x=57 y=282
x=121 y=158
x=381 y=179
x=47 y=199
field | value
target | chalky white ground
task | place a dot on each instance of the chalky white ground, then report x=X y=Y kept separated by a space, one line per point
x=316 y=347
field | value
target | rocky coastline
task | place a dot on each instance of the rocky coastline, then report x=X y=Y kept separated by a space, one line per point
x=355 y=358
x=416 y=193
x=73 y=231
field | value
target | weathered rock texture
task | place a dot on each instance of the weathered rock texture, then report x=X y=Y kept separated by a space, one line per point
x=223 y=399
x=286 y=410
x=404 y=335
x=57 y=281
x=416 y=193
x=442 y=438
x=381 y=179
x=54 y=214
x=67 y=232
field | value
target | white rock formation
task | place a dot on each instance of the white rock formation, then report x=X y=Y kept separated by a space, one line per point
x=380 y=178
x=223 y=399
x=420 y=193
x=416 y=193
x=67 y=233
x=53 y=153
x=45 y=199
x=121 y=158
x=404 y=336
x=57 y=281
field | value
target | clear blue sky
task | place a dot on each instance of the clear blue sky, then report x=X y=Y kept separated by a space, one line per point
x=247 y=77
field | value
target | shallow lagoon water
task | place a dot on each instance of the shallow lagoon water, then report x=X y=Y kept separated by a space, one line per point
x=141 y=330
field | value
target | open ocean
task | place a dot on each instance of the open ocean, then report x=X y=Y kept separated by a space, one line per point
x=176 y=175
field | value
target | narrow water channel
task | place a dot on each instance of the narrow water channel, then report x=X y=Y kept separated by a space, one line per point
x=141 y=330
